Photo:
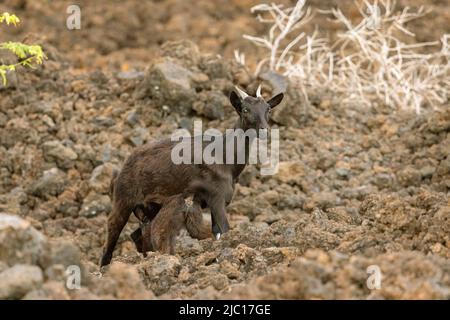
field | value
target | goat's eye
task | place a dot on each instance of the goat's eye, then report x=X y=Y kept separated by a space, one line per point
x=245 y=110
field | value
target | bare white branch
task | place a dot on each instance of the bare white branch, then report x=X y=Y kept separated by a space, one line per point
x=368 y=61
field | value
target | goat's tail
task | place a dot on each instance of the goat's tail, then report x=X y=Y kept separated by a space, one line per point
x=115 y=174
x=195 y=225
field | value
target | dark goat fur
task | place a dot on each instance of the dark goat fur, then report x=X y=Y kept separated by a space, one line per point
x=149 y=176
x=173 y=213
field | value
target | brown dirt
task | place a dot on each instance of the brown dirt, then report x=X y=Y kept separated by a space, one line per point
x=356 y=187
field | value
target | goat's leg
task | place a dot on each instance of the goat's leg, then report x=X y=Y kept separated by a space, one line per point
x=167 y=224
x=219 y=219
x=116 y=221
x=147 y=238
x=142 y=236
x=160 y=232
x=151 y=209
x=195 y=225
x=160 y=229
x=136 y=236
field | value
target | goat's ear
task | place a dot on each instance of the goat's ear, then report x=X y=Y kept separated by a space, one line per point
x=274 y=101
x=236 y=101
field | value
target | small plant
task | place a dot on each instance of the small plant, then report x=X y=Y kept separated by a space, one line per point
x=28 y=55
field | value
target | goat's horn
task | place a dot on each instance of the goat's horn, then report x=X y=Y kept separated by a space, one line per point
x=258 y=92
x=241 y=93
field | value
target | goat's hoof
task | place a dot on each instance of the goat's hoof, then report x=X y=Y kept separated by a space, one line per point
x=217 y=236
x=105 y=260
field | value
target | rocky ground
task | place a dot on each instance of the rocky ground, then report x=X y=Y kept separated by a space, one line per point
x=356 y=187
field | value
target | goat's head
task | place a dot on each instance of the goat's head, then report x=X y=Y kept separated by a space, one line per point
x=254 y=112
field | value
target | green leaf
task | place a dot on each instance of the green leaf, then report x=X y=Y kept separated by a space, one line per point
x=9 y=18
x=3 y=75
x=24 y=51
